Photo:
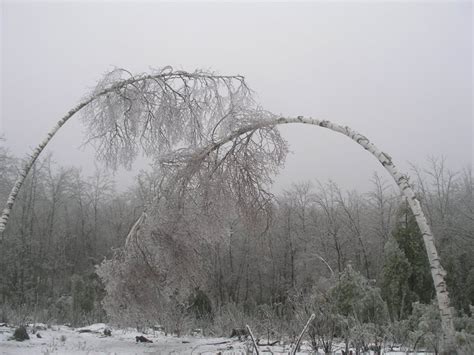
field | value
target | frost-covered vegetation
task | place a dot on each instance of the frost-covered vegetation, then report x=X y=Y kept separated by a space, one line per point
x=200 y=242
x=354 y=259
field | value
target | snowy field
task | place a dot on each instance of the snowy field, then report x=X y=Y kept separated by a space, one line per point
x=67 y=340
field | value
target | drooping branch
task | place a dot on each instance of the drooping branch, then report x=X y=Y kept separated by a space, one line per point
x=165 y=110
x=238 y=167
x=437 y=272
x=177 y=109
x=151 y=112
x=195 y=162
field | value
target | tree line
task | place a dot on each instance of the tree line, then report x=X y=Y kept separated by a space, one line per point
x=64 y=224
x=215 y=151
x=354 y=259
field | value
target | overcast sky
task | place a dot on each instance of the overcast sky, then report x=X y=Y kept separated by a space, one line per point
x=398 y=72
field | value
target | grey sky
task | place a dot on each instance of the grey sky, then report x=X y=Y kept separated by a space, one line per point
x=400 y=73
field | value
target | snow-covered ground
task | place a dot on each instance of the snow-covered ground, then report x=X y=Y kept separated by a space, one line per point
x=67 y=340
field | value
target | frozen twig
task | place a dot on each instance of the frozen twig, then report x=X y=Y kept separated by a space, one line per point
x=253 y=340
x=298 y=341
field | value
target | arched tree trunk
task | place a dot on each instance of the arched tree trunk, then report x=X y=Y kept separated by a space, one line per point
x=437 y=271
x=165 y=74
x=32 y=158
x=30 y=162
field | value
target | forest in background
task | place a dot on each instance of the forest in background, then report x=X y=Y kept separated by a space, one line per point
x=354 y=259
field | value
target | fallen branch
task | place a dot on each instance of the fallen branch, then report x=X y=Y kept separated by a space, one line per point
x=298 y=341
x=268 y=343
x=87 y=331
x=219 y=343
x=253 y=340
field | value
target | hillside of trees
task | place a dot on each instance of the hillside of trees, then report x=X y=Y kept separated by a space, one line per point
x=354 y=259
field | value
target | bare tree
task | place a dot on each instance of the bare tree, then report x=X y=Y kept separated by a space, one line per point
x=226 y=140
x=383 y=201
x=352 y=211
x=437 y=271
x=153 y=111
x=326 y=198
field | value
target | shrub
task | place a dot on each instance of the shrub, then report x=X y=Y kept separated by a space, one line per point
x=20 y=334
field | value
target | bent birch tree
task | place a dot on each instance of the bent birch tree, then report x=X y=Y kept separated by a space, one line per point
x=163 y=112
x=402 y=180
x=437 y=271
x=147 y=111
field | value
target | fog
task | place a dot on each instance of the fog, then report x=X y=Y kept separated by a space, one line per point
x=400 y=73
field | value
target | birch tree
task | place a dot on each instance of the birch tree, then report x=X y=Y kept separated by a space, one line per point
x=202 y=127
x=402 y=180
x=152 y=112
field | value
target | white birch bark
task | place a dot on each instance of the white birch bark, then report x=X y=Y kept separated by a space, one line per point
x=165 y=73
x=135 y=230
x=402 y=181
x=32 y=158
x=29 y=164
x=437 y=271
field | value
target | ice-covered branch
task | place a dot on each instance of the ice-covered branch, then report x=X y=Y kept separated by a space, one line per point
x=402 y=180
x=152 y=112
